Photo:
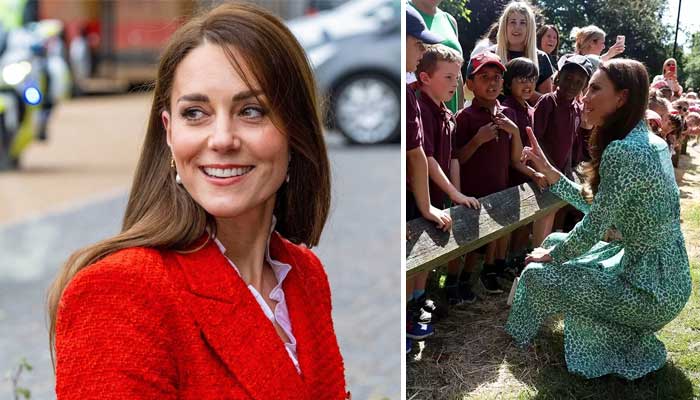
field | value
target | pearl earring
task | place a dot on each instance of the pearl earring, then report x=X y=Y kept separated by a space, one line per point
x=178 y=180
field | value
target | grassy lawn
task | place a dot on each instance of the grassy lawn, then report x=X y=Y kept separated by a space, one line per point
x=471 y=357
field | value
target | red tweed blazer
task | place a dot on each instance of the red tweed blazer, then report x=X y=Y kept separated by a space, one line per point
x=149 y=324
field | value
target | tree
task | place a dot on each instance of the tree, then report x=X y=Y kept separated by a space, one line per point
x=692 y=64
x=647 y=37
x=639 y=20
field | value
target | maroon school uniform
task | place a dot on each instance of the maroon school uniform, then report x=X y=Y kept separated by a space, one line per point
x=487 y=171
x=556 y=123
x=438 y=125
x=524 y=117
x=414 y=139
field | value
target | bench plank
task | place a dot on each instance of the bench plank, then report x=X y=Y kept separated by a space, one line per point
x=500 y=213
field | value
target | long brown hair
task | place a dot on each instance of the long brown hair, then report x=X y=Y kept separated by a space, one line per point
x=279 y=66
x=627 y=75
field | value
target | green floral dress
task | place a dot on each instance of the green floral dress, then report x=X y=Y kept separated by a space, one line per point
x=614 y=296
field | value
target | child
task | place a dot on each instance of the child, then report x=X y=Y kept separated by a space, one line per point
x=417 y=196
x=488 y=143
x=519 y=85
x=557 y=118
x=437 y=75
x=672 y=133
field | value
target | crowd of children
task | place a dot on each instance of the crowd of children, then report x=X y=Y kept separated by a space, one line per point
x=477 y=151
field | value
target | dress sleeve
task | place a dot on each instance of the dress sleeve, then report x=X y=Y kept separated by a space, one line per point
x=111 y=342
x=616 y=173
x=570 y=192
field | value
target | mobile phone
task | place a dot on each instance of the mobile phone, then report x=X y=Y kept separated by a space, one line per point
x=621 y=39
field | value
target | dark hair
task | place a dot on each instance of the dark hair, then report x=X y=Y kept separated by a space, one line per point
x=520 y=67
x=492 y=33
x=625 y=74
x=541 y=31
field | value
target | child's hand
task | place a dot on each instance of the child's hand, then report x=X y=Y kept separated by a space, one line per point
x=504 y=123
x=459 y=198
x=540 y=180
x=440 y=217
x=486 y=133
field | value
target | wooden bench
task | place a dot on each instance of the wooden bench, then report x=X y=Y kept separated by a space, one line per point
x=503 y=212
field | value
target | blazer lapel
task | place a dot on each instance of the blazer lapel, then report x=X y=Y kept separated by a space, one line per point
x=236 y=328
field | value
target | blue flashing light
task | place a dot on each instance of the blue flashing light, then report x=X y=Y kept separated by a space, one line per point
x=32 y=96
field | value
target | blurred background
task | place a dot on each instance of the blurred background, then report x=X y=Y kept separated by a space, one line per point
x=74 y=101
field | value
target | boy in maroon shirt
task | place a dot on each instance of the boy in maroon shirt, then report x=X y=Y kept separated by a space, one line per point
x=437 y=75
x=557 y=119
x=488 y=144
x=417 y=194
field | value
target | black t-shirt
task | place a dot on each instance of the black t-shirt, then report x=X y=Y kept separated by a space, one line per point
x=544 y=64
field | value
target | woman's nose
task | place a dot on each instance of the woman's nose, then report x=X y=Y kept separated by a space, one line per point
x=224 y=137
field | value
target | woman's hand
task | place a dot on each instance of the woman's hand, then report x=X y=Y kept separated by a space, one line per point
x=617 y=48
x=539 y=255
x=535 y=155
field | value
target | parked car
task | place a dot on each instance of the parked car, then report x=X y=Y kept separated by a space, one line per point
x=355 y=50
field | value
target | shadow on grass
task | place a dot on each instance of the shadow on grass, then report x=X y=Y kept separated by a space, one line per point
x=554 y=382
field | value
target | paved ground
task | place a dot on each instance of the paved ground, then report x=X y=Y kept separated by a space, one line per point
x=72 y=192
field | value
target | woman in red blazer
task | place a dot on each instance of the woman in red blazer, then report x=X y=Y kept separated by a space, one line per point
x=210 y=291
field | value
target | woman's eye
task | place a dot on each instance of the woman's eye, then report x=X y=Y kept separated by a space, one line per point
x=192 y=114
x=252 y=112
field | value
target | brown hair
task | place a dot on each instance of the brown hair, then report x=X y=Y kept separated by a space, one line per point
x=625 y=74
x=279 y=66
x=541 y=31
x=433 y=55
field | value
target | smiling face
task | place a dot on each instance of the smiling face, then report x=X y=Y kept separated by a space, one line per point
x=523 y=87
x=486 y=83
x=602 y=99
x=549 y=41
x=516 y=31
x=442 y=83
x=230 y=156
x=570 y=82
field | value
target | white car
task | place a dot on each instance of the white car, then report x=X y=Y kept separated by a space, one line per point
x=355 y=50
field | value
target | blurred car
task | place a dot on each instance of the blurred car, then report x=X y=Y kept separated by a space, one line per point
x=355 y=50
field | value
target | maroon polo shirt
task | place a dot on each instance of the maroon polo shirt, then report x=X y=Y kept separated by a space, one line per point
x=414 y=126
x=525 y=115
x=438 y=125
x=556 y=123
x=487 y=171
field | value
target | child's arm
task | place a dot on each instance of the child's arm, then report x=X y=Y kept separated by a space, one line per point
x=438 y=176
x=417 y=171
x=516 y=152
x=455 y=176
x=485 y=134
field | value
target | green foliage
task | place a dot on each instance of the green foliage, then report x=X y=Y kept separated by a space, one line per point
x=457 y=8
x=691 y=68
x=639 y=20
